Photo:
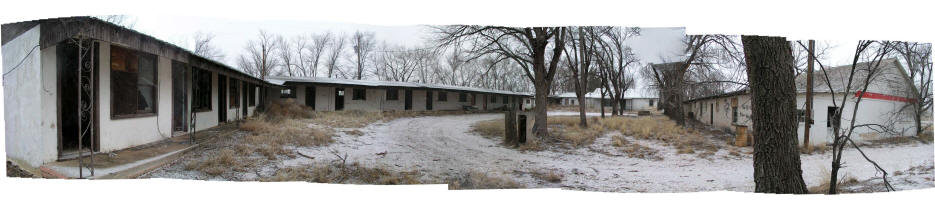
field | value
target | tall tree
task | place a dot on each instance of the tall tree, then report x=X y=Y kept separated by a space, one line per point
x=259 y=60
x=363 y=44
x=776 y=164
x=578 y=61
x=319 y=43
x=613 y=59
x=336 y=49
x=918 y=60
x=526 y=46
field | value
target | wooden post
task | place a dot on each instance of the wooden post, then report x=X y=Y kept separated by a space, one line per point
x=808 y=95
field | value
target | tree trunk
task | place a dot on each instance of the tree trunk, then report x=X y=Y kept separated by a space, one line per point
x=776 y=164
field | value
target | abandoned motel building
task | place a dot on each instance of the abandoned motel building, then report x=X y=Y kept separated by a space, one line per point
x=886 y=102
x=641 y=99
x=119 y=88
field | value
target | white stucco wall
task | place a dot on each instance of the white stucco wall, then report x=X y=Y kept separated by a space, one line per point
x=29 y=102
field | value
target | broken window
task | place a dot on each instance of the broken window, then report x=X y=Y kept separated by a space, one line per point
x=834 y=120
x=442 y=96
x=234 y=93
x=201 y=100
x=651 y=102
x=462 y=97
x=133 y=83
x=392 y=94
x=733 y=113
x=360 y=94
x=288 y=92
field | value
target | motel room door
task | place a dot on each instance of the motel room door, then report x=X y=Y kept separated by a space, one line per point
x=77 y=106
x=222 y=98
x=408 y=99
x=428 y=100
x=310 y=96
x=711 y=114
x=180 y=88
x=338 y=99
x=245 y=89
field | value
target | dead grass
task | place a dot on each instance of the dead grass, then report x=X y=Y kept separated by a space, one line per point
x=478 y=180
x=219 y=163
x=635 y=150
x=843 y=181
x=548 y=176
x=353 y=173
x=566 y=129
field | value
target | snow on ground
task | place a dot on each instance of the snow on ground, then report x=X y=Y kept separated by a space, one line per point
x=443 y=146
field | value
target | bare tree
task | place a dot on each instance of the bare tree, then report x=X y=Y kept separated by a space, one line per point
x=204 y=46
x=259 y=60
x=320 y=42
x=703 y=53
x=875 y=52
x=397 y=63
x=614 y=58
x=525 y=46
x=287 y=60
x=363 y=44
x=581 y=43
x=336 y=49
x=776 y=164
x=918 y=60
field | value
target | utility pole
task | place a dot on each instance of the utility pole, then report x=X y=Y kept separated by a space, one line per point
x=808 y=94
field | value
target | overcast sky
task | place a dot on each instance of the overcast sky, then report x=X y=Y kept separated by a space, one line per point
x=652 y=46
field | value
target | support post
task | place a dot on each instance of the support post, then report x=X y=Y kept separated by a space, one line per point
x=808 y=95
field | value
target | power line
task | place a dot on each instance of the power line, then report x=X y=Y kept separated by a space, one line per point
x=21 y=61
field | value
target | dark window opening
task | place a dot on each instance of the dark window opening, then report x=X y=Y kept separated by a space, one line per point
x=392 y=94
x=733 y=114
x=288 y=92
x=493 y=99
x=442 y=96
x=133 y=83
x=800 y=115
x=506 y=100
x=834 y=120
x=462 y=97
x=234 y=93
x=251 y=95
x=651 y=102
x=201 y=100
x=360 y=94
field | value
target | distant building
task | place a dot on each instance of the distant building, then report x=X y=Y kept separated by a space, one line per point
x=330 y=94
x=885 y=103
x=633 y=99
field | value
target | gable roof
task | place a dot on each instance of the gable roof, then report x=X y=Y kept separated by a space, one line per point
x=890 y=76
x=281 y=80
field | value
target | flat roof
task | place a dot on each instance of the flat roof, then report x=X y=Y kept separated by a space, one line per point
x=282 y=80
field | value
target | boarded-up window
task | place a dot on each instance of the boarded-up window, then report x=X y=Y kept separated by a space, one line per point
x=392 y=94
x=133 y=83
x=201 y=98
x=462 y=97
x=360 y=94
x=234 y=93
x=442 y=96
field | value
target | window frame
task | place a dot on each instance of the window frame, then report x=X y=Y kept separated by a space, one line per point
x=210 y=81
x=395 y=94
x=292 y=94
x=442 y=96
x=359 y=94
x=138 y=55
